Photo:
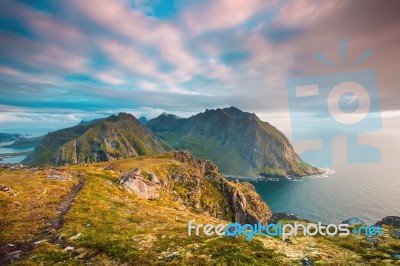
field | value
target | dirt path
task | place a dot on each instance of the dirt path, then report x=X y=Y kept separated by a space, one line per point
x=65 y=205
x=47 y=234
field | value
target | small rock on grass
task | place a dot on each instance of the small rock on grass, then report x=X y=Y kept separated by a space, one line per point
x=75 y=236
x=396 y=255
x=40 y=241
x=15 y=254
x=306 y=261
x=396 y=234
x=69 y=248
x=373 y=241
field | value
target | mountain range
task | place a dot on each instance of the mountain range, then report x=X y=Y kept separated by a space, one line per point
x=238 y=142
x=111 y=138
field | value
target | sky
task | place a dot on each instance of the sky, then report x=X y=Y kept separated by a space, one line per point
x=63 y=61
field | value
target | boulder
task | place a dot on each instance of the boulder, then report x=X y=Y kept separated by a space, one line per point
x=396 y=255
x=354 y=220
x=392 y=220
x=306 y=261
x=396 y=234
x=133 y=181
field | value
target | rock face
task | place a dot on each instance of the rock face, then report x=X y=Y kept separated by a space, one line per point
x=199 y=186
x=354 y=220
x=396 y=234
x=112 y=138
x=239 y=143
x=390 y=220
x=242 y=200
x=133 y=181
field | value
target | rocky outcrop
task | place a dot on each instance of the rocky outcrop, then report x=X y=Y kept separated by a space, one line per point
x=353 y=220
x=396 y=234
x=133 y=181
x=58 y=175
x=200 y=187
x=390 y=220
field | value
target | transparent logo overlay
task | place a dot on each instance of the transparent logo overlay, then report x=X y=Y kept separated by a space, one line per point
x=339 y=104
x=280 y=230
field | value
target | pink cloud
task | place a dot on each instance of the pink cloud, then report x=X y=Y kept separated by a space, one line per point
x=147 y=32
x=298 y=13
x=40 y=55
x=129 y=57
x=222 y=14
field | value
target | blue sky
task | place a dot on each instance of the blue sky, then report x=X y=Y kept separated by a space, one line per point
x=62 y=61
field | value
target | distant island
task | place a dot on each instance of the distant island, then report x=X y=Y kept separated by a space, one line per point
x=19 y=142
x=24 y=142
x=6 y=137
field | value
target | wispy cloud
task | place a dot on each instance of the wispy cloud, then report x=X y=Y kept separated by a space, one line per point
x=183 y=56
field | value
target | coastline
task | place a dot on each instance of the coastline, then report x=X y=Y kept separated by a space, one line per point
x=13 y=154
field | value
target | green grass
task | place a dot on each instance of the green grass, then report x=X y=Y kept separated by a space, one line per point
x=272 y=171
x=118 y=228
x=31 y=203
x=49 y=254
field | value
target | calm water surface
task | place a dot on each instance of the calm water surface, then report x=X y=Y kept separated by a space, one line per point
x=367 y=192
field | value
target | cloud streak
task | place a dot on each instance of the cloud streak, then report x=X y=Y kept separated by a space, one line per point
x=184 y=56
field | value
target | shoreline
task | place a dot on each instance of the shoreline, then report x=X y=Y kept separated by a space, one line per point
x=13 y=154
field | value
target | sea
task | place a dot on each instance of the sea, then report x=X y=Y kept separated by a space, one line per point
x=29 y=133
x=346 y=193
x=368 y=191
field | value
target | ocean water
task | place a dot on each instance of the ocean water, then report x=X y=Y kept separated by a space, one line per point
x=367 y=191
x=15 y=159
x=27 y=133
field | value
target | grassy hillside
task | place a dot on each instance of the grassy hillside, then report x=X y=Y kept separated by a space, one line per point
x=108 y=225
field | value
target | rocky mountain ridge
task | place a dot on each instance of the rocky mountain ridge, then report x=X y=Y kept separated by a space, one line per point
x=112 y=138
x=239 y=143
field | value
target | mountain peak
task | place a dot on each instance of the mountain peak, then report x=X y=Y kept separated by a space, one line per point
x=165 y=114
x=238 y=142
x=120 y=116
x=123 y=115
x=143 y=120
x=116 y=137
x=233 y=111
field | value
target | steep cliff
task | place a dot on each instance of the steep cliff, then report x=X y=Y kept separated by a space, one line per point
x=200 y=187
